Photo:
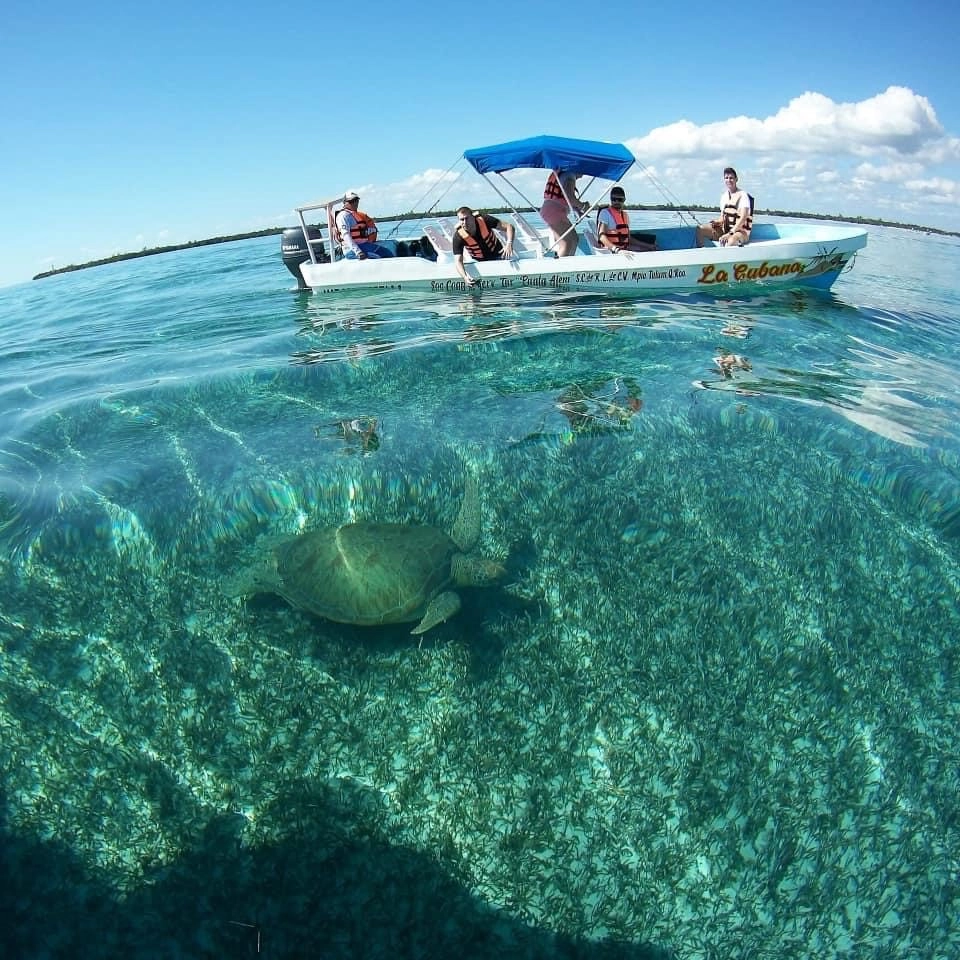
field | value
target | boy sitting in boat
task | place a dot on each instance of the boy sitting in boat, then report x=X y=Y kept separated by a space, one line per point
x=475 y=232
x=733 y=227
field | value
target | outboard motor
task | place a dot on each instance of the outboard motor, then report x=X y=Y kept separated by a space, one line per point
x=294 y=249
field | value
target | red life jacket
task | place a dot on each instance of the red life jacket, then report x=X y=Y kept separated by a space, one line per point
x=621 y=237
x=486 y=246
x=552 y=189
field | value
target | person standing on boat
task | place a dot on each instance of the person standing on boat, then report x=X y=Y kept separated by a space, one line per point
x=475 y=232
x=358 y=232
x=733 y=227
x=613 y=226
x=559 y=198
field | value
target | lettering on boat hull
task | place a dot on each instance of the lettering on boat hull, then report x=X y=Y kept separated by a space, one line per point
x=814 y=267
x=744 y=271
x=819 y=270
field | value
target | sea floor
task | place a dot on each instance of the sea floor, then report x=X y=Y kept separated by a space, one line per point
x=711 y=711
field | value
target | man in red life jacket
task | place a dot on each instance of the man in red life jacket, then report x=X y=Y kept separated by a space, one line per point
x=613 y=226
x=475 y=232
x=358 y=232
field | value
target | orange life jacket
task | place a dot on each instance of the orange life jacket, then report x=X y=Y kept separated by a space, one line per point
x=621 y=236
x=486 y=246
x=730 y=214
x=364 y=229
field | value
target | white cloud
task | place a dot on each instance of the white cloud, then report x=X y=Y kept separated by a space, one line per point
x=792 y=168
x=422 y=190
x=886 y=153
x=946 y=150
x=890 y=172
x=935 y=189
x=898 y=121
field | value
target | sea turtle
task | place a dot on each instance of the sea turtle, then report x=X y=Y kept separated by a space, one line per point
x=374 y=573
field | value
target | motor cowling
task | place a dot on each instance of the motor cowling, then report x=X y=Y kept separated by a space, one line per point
x=294 y=249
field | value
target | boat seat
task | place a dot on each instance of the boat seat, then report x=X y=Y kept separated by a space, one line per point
x=526 y=241
x=592 y=244
x=440 y=240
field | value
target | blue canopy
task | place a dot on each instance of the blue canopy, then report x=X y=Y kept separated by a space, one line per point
x=590 y=157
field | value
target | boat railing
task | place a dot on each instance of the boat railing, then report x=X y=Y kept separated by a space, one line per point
x=318 y=241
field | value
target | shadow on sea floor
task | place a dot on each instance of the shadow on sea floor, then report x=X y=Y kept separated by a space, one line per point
x=330 y=888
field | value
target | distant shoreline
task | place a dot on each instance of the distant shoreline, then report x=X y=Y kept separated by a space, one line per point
x=274 y=231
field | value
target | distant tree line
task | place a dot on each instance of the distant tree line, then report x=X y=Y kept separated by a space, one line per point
x=273 y=231
x=150 y=251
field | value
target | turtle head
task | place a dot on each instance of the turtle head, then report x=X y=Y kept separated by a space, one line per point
x=259 y=578
x=474 y=571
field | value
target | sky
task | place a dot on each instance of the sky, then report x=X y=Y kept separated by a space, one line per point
x=125 y=126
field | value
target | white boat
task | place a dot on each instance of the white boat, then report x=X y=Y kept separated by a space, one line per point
x=778 y=256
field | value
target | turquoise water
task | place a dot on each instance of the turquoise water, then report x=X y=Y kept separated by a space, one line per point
x=710 y=711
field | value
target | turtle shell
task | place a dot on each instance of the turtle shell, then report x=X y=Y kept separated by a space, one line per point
x=365 y=573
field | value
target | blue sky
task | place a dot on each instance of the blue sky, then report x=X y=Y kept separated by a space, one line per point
x=125 y=126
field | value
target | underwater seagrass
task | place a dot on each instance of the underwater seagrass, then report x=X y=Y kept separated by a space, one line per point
x=375 y=573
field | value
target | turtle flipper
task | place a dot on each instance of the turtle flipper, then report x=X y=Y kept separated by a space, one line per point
x=442 y=607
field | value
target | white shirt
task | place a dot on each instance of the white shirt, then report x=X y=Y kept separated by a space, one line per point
x=606 y=218
x=741 y=198
x=345 y=221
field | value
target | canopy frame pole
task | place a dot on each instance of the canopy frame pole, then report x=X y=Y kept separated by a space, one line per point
x=513 y=208
x=581 y=217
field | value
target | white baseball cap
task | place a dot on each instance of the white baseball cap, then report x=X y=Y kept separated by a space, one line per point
x=351 y=195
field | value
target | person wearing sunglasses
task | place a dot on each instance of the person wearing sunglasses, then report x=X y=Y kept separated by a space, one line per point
x=613 y=227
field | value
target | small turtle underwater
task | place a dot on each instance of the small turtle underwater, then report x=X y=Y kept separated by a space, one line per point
x=370 y=574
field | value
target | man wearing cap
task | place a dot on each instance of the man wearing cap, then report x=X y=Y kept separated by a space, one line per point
x=358 y=232
x=613 y=226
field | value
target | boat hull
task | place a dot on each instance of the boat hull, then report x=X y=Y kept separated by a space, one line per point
x=780 y=256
